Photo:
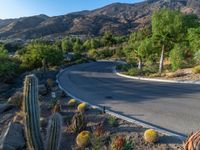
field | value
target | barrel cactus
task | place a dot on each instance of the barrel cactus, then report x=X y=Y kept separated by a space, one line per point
x=54 y=132
x=72 y=102
x=193 y=142
x=151 y=136
x=78 y=123
x=83 y=138
x=82 y=107
x=32 y=113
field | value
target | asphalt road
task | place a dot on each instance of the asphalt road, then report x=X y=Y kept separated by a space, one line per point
x=169 y=106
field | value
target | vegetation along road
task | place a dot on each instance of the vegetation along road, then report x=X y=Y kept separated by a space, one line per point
x=173 y=107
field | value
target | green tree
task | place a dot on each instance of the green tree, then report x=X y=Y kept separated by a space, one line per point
x=194 y=39
x=108 y=39
x=8 y=66
x=77 y=47
x=34 y=53
x=167 y=26
x=132 y=48
x=177 y=57
x=66 y=45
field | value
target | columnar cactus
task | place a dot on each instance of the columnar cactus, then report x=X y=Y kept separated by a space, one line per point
x=54 y=132
x=32 y=113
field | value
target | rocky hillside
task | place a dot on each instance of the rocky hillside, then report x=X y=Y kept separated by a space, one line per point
x=118 y=18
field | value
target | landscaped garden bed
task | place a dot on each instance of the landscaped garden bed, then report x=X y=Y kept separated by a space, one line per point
x=98 y=130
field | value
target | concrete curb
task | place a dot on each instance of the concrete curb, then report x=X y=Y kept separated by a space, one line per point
x=165 y=132
x=155 y=80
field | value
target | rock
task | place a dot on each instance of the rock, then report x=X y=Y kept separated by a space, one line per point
x=42 y=89
x=5 y=107
x=12 y=138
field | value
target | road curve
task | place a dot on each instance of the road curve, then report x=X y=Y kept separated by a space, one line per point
x=168 y=106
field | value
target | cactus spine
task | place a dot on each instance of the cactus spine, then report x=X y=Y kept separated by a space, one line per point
x=32 y=116
x=54 y=132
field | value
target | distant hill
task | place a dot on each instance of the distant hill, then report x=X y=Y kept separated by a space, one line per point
x=118 y=18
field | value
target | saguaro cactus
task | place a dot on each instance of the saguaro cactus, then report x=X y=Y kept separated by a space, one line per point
x=54 y=132
x=32 y=114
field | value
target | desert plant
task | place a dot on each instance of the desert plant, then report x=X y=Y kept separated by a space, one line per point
x=118 y=143
x=54 y=132
x=78 y=123
x=82 y=107
x=151 y=136
x=112 y=121
x=83 y=138
x=97 y=143
x=134 y=72
x=196 y=69
x=52 y=103
x=128 y=145
x=72 y=102
x=98 y=130
x=57 y=108
x=193 y=142
x=32 y=117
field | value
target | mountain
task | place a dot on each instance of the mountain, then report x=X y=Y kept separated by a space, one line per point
x=118 y=18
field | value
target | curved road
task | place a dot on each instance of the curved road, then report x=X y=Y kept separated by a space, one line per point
x=172 y=107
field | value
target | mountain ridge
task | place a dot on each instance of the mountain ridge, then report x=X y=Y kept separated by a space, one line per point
x=118 y=18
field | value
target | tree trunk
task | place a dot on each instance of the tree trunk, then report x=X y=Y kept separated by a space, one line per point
x=139 y=63
x=162 y=59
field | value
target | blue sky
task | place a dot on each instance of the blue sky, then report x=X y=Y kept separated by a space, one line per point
x=20 y=8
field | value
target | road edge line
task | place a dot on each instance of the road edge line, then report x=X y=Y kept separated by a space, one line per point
x=154 y=80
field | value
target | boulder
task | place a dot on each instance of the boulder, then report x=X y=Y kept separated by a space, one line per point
x=12 y=138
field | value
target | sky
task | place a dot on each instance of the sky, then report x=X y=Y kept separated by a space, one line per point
x=22 y=8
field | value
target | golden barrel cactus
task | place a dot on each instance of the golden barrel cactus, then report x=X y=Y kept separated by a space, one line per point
x=83 y=138
x=72 y=102
x=151 y=136
x=193 y=142
x=82 y=107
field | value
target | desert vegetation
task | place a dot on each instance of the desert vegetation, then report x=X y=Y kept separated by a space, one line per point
x=168 y=45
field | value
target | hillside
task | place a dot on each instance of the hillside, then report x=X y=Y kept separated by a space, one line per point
x=119 y=18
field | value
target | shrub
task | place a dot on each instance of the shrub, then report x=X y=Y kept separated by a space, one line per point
x=112 y=121
x=177 y=57
x=151 y=136
x=118 y=143
x=134 y=72
x=78 y=123
x=8 y=66
x=128 y=145
x=83 y=138
x=197 y=56
x=97 y=142
x=34 y=53
x=196 y=69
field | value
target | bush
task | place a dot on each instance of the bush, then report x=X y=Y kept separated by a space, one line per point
x=134 y=72
x=8 y=66
x=177 y=57
x=33 y=55
x=196 y=69
x=197 y=56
